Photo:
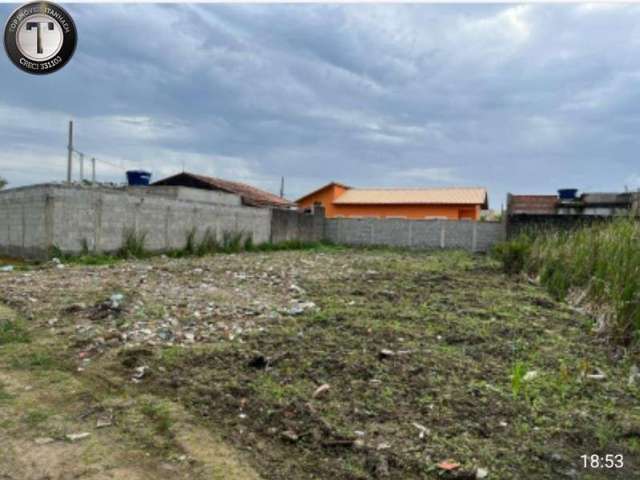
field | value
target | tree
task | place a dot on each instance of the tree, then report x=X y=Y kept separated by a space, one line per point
x=3 y=183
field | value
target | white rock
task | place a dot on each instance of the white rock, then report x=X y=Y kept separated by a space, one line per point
x=74 y=437
x=634 y=374
x=424 y=431
x=43 y=440
x=482 y=473
x=530 y=375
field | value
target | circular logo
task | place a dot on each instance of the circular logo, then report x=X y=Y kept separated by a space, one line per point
x=40 y=37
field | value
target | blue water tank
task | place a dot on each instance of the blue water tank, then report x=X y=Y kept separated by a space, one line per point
x=138 y=177
x=568 y=193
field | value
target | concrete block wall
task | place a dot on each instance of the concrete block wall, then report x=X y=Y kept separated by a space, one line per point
x=289 y=225
x=33 y=219
x=455 y=234
x=71 y=217
x=25 y=222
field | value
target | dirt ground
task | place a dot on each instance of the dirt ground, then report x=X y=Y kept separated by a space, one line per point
x=330 y=363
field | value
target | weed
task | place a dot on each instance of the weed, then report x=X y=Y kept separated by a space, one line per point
x=35 y=417
x=13 y=331
x=85 y=246
x=513 y=254
x=172 y=355
x=190 y=243
x=232 y=242
x=518 y=372
x=160 y=414
x=55 y=252
x=4 y=395
x=36 y=360
x=209 y=243
x=133 y=244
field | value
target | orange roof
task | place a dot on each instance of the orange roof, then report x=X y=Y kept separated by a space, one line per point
x=338 y=184
x=404 y=196
x=250 y=195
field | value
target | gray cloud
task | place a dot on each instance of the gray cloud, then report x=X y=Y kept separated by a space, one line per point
x=516 y=98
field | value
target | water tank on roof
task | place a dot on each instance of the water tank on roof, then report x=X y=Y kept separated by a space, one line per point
x=568 y=193
x=138 y=177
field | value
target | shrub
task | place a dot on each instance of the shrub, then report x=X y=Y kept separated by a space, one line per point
x=513 y=254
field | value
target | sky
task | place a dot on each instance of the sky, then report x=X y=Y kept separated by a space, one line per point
x=514 y=98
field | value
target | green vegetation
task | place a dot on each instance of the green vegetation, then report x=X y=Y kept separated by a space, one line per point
x=160 y=414
x=3 y=183
x=405 y=359
x=517 y=378
x=237 y=242
x=464 y=341
x=13 y=331
x=133 y=244
x=602 y=261
x=134 y=247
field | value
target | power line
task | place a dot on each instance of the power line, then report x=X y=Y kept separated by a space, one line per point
x=100 y=160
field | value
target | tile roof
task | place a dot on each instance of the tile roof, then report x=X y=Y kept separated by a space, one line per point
x=533 y=204
x=404 y=196
x=250 y=195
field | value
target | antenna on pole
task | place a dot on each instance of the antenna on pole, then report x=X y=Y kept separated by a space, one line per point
x=70 y=152
x=281 y=187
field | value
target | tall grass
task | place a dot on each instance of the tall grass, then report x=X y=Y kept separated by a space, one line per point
x=602 y=260
x=133 y=244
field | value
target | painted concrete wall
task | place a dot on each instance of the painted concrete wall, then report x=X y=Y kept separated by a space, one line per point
x=325 y=197
x=418 y=212
x=463 y=234
x=32 y=219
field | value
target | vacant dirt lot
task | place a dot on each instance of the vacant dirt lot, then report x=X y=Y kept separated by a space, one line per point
x=326 y=364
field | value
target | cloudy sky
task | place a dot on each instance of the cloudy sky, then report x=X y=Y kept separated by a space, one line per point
x=514 y=98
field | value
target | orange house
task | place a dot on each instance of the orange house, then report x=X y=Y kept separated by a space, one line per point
x=340 y=200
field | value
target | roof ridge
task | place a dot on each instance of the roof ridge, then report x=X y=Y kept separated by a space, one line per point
x=420 y=188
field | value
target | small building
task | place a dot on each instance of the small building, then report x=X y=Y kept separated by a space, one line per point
x=251 y=196
x=567 y=209
x=453 y=203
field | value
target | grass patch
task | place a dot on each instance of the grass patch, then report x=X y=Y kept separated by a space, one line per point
x=36 y=360
x=13 y=331
x=160 y=414
x=4 y=395
x=34 y=418
x=602 y=260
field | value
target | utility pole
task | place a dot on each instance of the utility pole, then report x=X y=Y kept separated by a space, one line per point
x=93 y=169
x=81 y=167
x=281 y=187
x=70 y=149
